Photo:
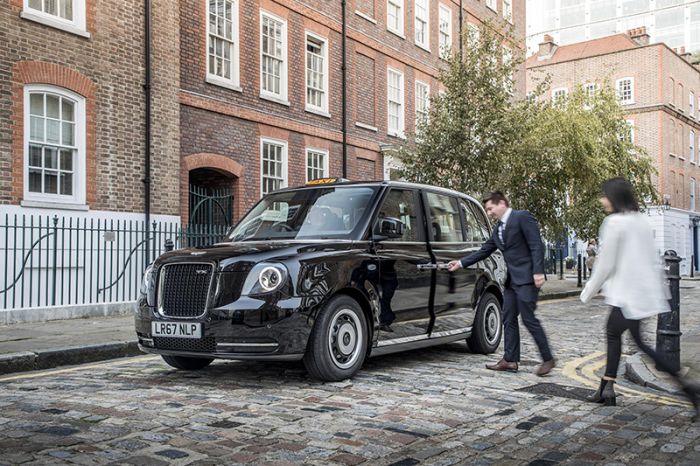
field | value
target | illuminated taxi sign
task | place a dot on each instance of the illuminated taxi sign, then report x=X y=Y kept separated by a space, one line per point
x=326 y=181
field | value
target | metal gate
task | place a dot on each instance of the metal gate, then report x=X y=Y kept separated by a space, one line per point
x=211 y=213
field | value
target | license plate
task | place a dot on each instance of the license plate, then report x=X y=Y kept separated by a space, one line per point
x=176 y=329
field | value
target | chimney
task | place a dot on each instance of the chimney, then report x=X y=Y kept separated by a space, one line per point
x=547 y=47
x=685 y=55
x=639 y=35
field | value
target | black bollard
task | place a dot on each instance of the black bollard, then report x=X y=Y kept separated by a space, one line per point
x=668 y=335
x=561 y=264
x=585 y=269
x=578 y=264
x=169 y=245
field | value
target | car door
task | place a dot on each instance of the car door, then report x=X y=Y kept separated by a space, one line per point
x=404 y=286
x=453 y=290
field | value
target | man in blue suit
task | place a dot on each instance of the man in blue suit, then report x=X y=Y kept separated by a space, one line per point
x=517 y=236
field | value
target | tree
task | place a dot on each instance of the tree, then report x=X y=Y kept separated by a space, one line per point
x=547 y=158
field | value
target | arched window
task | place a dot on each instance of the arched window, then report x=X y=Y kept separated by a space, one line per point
x=54 y=145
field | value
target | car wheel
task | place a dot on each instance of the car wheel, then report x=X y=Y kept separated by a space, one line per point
x=488 y=326
x=338 y=343
x=187 y=364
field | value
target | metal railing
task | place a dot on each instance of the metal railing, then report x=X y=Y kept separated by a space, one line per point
x=52 y=261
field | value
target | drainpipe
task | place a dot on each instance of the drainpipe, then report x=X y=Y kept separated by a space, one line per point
x=147 y=96
x=461 y=12
x=344 y=92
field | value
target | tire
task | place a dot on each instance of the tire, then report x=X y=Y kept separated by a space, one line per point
x=338 y=343
x=185 y=363
x=488 y=326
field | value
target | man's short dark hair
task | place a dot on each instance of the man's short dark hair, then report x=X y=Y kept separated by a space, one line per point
x=496 y=197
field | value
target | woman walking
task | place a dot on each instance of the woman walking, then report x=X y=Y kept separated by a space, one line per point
x=629 y=271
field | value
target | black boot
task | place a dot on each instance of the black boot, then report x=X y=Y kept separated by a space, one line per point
x=596 y=397
x=608 y=393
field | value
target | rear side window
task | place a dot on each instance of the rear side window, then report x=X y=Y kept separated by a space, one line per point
x=472 y=229
x=444 y=218
x=402 y=204
x=482 y=224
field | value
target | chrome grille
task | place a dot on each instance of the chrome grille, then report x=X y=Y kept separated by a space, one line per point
x=207 y=344
x=184 y=289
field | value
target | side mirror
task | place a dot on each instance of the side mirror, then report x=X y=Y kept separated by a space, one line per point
x=391 y=227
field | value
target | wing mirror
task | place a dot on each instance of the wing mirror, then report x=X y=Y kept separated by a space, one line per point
x=391 y=227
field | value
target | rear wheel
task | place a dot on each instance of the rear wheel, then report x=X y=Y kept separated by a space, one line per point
x=185 y=363
x=338 y=343
x=488 y=326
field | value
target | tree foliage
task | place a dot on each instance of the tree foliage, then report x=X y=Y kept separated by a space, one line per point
x=548 y=159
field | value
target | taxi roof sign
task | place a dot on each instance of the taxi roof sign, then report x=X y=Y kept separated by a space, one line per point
x=334 y=180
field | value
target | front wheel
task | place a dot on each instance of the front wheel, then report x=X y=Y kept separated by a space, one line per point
x=488 y=326
x=338 y=343
x=185 y=363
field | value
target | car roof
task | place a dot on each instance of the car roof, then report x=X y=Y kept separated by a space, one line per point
x=387 y=183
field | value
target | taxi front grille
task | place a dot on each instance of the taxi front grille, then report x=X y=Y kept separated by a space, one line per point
x=184 y=289
x=207 y=344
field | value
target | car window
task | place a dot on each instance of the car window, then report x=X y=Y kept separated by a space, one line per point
x=482 y=221
x=403 y=205
x=444 y=218
x=473 y=230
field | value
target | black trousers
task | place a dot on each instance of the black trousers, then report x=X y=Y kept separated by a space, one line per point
x=522 y=300
x=617 y=324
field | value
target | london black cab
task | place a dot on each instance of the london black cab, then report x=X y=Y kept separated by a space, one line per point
x=332 y=272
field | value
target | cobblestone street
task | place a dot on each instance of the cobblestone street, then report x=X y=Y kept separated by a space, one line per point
x=438 y=406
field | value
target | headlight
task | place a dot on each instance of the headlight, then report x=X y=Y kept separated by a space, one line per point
x=147 y=280
x=264 y=278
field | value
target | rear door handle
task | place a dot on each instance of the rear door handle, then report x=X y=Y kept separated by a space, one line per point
x=442 y=266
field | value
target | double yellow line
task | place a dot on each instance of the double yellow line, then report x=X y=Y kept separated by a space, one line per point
x=583 y=370
x=44 y=373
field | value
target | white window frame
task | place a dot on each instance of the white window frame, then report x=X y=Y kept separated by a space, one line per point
x=556 y=98
x=425 y=44
x=691 y=145
x=325 y=170
x=285 y=173
x=323 y=109
x=74 y=26
x=400 y=4
x=492 y=4
x=264 y=94
x=508 y=10
x=629 y=133
x=590 y=89
x=444 y=51
x=79 y=162
x=629 y=101
x=234 y=82
x=691 y=102
x=398 y=132
x=426 y=110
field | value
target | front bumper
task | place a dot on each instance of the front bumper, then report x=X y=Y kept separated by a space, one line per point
x=248 y=329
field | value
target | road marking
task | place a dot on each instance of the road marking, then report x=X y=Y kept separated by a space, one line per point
x=44 y=373
x=589 y=364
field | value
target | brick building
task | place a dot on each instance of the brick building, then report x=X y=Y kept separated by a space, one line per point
x=262 y=93
x=660 y=91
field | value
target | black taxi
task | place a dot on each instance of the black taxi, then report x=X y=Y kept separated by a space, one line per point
x=332 y=272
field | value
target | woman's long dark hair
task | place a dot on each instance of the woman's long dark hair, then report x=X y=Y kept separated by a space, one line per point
x=620 y=194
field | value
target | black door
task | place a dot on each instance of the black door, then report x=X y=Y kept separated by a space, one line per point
x=404 y=287
x=454 y=291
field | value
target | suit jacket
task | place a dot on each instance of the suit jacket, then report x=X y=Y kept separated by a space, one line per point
x=522 y=248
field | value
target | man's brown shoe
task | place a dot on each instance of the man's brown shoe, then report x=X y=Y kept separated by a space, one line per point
x=546 y=368
x=503 y=365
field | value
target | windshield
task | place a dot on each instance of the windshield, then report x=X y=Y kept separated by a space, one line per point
x=321 y=213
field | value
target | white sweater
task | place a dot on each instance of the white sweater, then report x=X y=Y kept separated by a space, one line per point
x=628 y=268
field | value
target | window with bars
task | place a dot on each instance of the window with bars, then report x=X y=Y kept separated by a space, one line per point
x=274 y=165
x=54 y=147
x=395 y=101
x=273 y=60
x=421 y=24
x=316 y=74
x=394 y=16
x=223 y=40
x=422 y=102
x=445 y=29
x=316 y=164
x=625 y=90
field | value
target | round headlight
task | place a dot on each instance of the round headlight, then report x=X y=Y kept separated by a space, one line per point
x=270 y=278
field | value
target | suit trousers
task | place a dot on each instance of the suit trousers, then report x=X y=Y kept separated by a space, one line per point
x=521 y=300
